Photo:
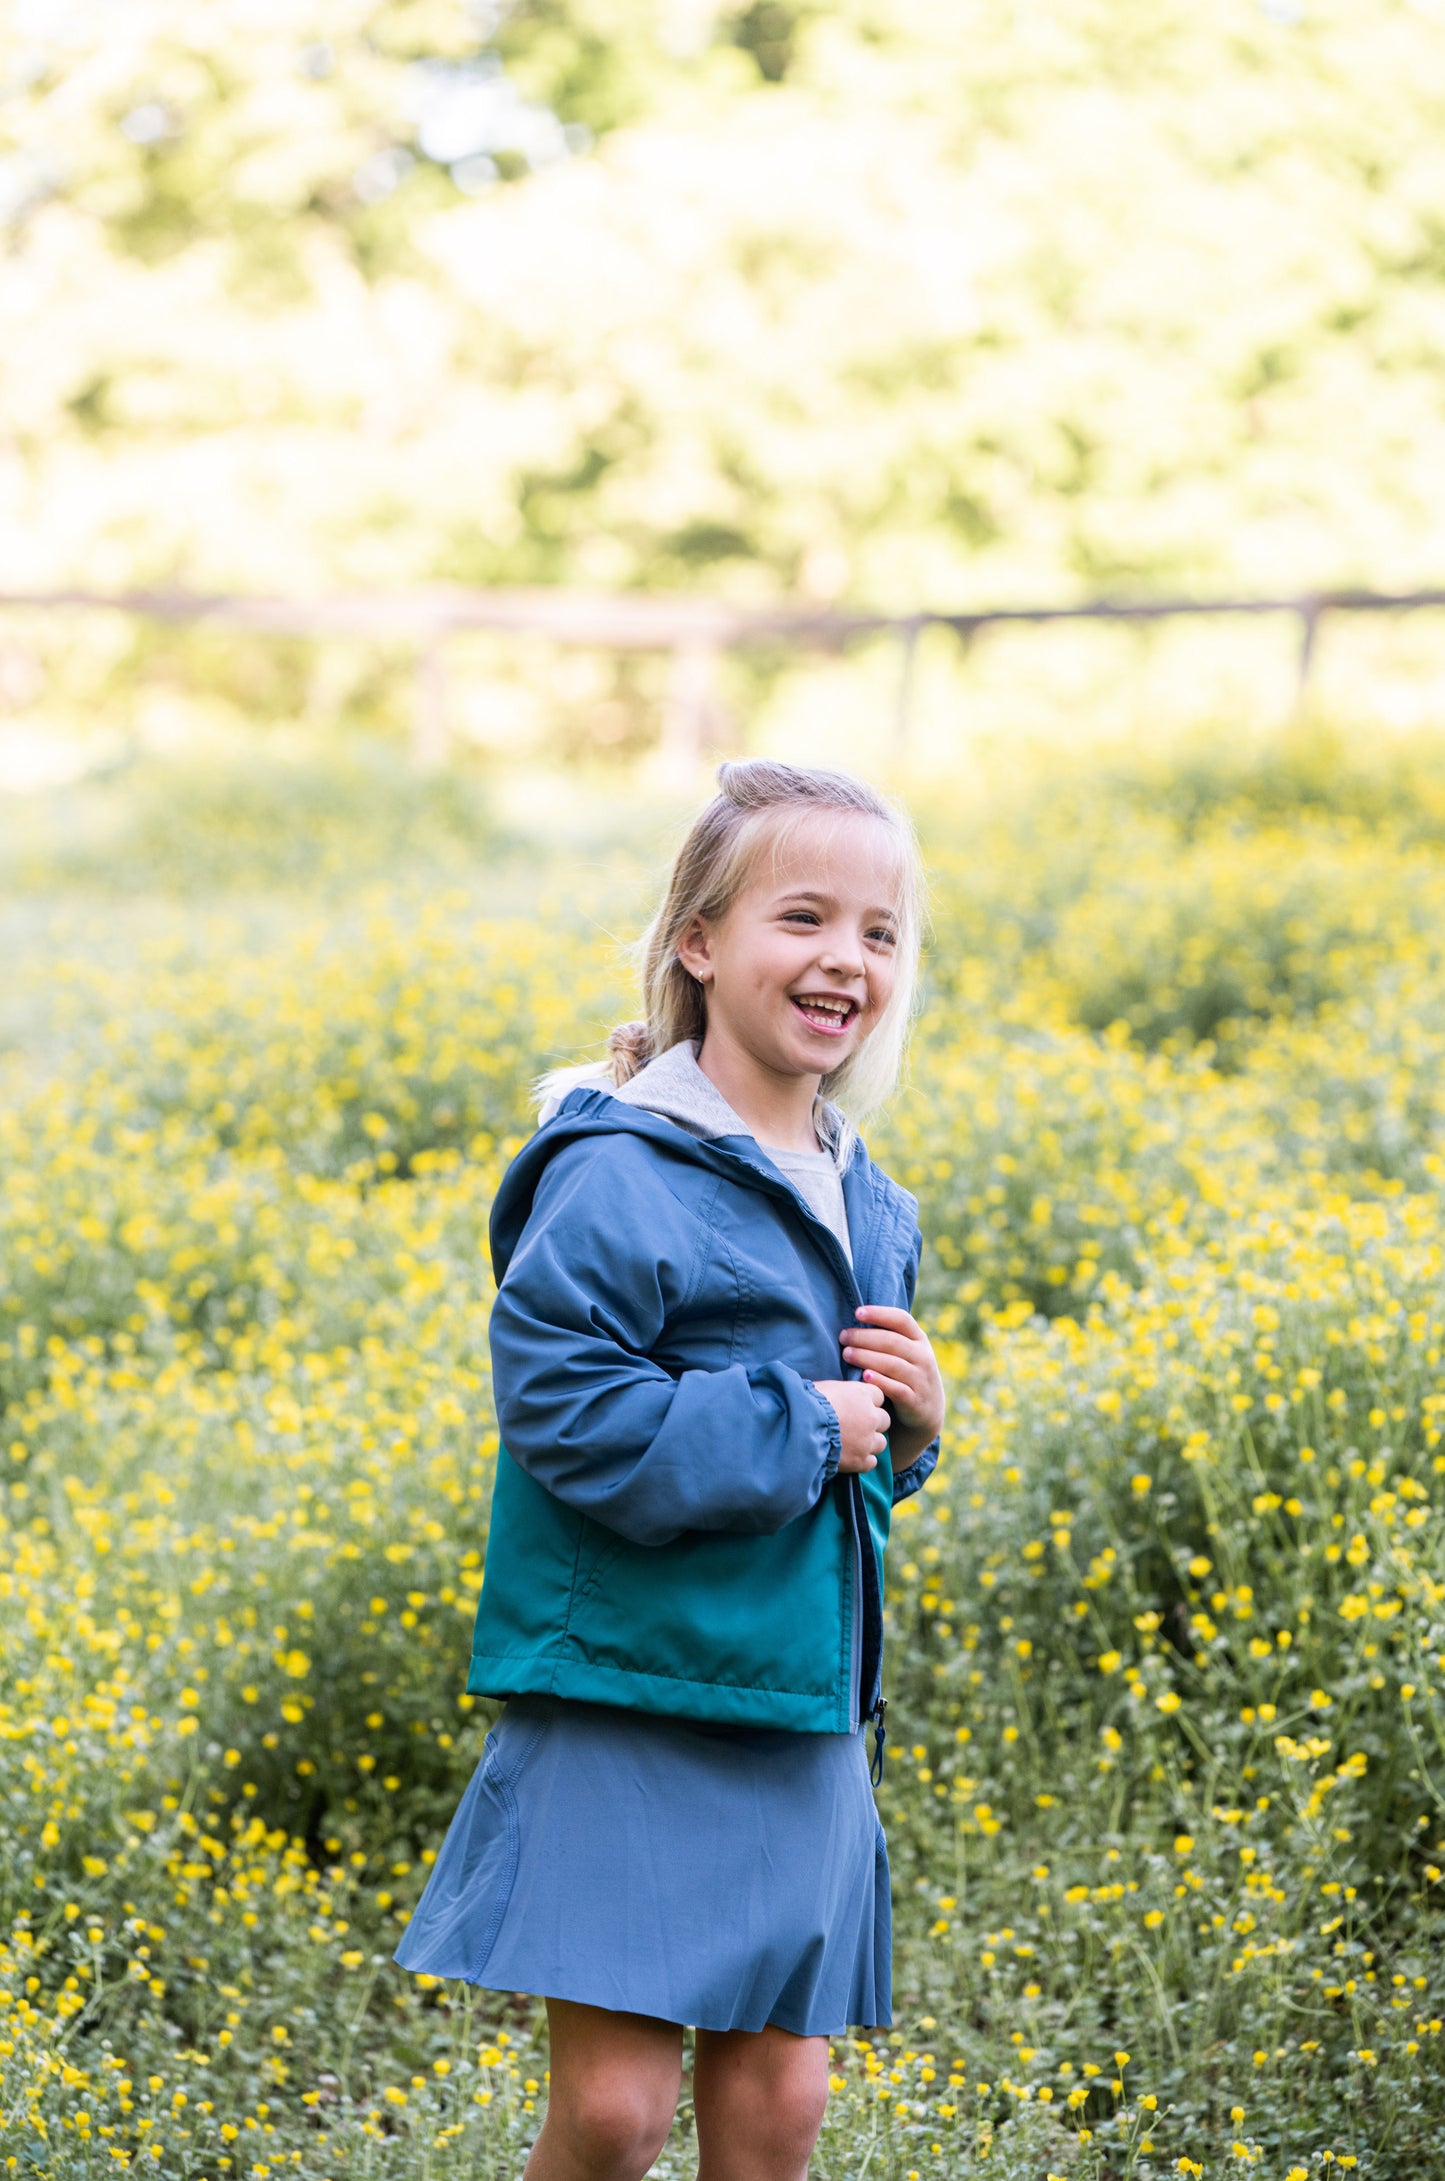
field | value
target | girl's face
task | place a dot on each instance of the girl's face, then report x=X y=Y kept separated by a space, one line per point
x=799 y=970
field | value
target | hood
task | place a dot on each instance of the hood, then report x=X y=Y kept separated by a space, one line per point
x=672 y=1085
x=675 y=1087
x=677 y=1106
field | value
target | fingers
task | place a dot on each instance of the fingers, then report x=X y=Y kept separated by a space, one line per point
x=841 y=1393
x=876 y=1395
x=894 y=1384
x=863 y=1420
x=893 y=1321
x=854 y=1459
x=879 y=1423
x=864 y=1344
x=890 y=1389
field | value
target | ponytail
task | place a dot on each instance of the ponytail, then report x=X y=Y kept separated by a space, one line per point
x=629 y=1048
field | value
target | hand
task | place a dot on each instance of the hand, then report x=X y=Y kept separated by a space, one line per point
x=893 y=1350
x=862 y=1419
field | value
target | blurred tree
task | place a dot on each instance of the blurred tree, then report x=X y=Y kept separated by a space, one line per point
x=890 y=301
x=249 y=124
x=768 y=30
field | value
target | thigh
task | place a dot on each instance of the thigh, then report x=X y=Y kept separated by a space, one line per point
x=596 y=2045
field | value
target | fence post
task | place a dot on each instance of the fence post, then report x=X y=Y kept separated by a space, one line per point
x=690 y=706
x=429 y=742
x=1309 y=620
x=903 y=699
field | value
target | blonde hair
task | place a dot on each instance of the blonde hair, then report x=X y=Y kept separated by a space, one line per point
x=762 y=803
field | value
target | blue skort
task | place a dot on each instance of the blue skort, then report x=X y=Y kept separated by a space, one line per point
x=722 y=1877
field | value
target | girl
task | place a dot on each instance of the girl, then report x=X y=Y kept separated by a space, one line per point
x=710 y=1393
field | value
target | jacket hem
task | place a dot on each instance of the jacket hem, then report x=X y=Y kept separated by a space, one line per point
x=498 y=1674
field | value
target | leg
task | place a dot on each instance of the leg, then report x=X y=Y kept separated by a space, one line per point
x=759 y=2097
x=613 y=2092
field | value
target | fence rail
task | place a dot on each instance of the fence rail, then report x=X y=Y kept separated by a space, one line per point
x=692 y=631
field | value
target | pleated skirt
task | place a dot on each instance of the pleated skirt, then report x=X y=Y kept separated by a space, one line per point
x=721 y=1877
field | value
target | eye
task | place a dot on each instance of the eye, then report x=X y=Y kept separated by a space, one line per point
x=799 y=916
x=884 y=935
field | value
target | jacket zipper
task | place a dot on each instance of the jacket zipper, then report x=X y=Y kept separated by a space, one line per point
x=867 y=1647
x=868 y=1641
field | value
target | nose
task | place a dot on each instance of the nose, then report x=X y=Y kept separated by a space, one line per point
x=841 y=955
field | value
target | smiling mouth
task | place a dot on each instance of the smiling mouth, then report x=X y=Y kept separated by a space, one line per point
x=825 y=1012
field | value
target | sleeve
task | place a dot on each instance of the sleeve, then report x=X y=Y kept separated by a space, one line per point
x=607 y=1253
x=915 y=1476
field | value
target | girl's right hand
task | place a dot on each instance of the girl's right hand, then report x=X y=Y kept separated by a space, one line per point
x=862 y=1419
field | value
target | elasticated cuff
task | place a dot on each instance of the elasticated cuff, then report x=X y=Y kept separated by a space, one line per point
x=835 y=1433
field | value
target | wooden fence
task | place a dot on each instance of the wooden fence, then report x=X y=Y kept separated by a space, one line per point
x=693 y=632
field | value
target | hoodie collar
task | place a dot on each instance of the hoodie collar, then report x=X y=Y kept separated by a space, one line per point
x=674 y=1086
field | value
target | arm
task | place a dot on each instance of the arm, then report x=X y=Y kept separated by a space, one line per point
x=606 y=1255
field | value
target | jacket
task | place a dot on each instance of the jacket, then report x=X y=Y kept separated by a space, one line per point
x=670 y=1530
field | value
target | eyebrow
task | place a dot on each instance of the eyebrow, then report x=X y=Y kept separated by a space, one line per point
x=812 y=894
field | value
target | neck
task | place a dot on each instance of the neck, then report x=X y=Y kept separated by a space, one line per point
x=777 y=1108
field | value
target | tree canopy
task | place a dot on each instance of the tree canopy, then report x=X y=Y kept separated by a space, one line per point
x=882 y=300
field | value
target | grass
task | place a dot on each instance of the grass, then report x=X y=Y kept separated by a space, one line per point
x=1166 y=1791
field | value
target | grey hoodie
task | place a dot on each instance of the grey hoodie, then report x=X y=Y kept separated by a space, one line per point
x=675 y=1087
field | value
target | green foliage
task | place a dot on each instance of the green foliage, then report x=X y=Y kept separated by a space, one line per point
x=768 y=30
x=1231 y=929
x=250 y=824
x=895 y=305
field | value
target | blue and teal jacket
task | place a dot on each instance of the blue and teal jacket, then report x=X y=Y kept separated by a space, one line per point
x=670 y=1531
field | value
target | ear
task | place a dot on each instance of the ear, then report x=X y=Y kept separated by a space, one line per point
x=694 y=951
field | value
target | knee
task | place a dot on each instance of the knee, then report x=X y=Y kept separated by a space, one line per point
x=795 y=2112
x=780 y=2110
x=614 y=2123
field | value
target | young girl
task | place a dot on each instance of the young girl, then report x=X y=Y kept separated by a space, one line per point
x=710 y=1393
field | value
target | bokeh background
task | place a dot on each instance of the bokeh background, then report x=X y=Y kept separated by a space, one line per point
x=749 y=308
x=897 y=307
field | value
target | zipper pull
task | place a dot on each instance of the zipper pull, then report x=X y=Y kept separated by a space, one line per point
x=880 y=1736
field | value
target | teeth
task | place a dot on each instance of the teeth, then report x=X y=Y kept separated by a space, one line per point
x=828 y=1007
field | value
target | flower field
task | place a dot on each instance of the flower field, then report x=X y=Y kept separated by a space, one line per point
x=1165 y=1788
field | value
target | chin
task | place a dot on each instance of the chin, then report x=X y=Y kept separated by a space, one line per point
x=824 y=1063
